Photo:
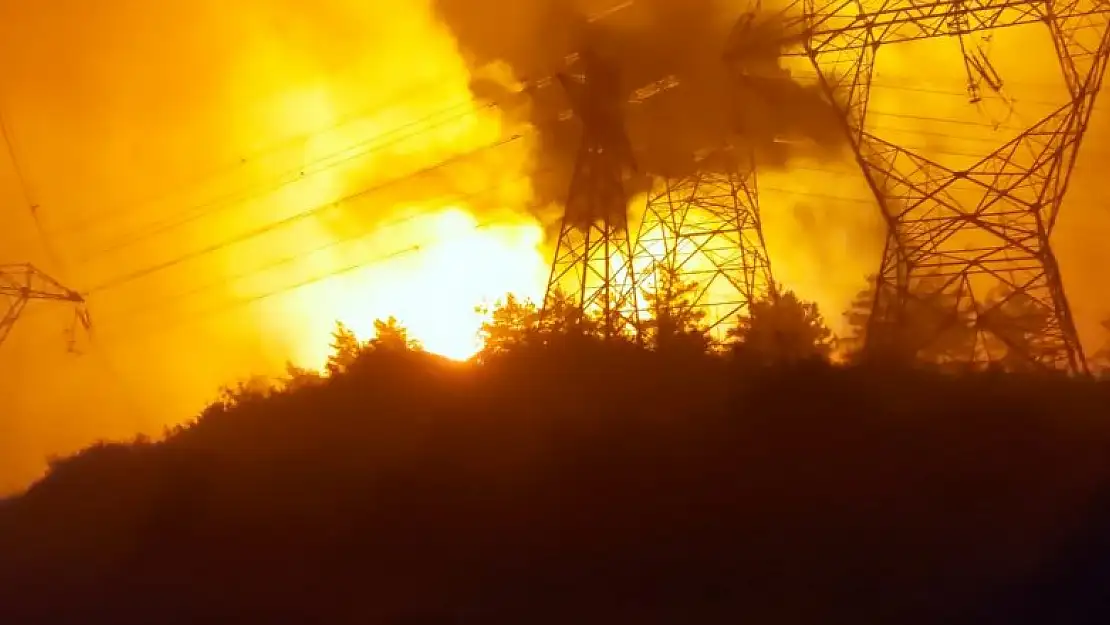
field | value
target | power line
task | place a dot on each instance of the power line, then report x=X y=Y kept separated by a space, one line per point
x=289 y=259
x=527 y=84
x=320 y=165
x=314 y=211
x=25 y=191
x=273 y=226
x=20 y=284
x=347 y=269
x=462 y=108
x=287 y=178
x=378 y=228
x=163 y=227
x=351 y=153
x=211 y=311
x=271 y=149
x=906 y=86
x=304 y=137
x=301 y=254
x=169 y=226
x=294 y=175
x=21 y=179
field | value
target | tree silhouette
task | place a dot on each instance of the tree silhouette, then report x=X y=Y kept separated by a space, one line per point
x=857 y=317
x=931 y=328
x=511 y=324
x=676 y=322
x=514 y=324
x=1101 y=358
x=563 y=317
x=783 y=330
x=391 y=336
x=422 y=482
x=297 y=378
x=1016 y=325
x=345 y=349
x=251 y=389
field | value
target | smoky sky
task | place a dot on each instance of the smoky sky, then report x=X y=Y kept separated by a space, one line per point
x=647 y=41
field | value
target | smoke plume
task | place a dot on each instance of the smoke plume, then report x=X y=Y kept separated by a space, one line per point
x=684 y=99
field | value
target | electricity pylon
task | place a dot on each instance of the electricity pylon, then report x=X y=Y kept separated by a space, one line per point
x=20 y=284
x=705 y=229
x=971 y=245
x=592 y=267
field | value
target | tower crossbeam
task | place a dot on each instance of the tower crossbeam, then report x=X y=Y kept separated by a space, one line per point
x=20 y=284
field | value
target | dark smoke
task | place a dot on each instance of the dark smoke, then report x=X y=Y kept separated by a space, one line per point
x=712 y=104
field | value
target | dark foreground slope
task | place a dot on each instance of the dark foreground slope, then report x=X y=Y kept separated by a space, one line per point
x=595 y=488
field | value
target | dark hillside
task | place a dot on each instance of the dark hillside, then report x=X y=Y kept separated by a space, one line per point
x=587 y=485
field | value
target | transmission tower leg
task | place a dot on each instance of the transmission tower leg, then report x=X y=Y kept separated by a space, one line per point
x=968 y=272
x=972 y=248
x=705 y=230
x=11 y=315
x=592 y=274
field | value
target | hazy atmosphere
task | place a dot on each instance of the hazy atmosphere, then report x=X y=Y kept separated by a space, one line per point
x=659 y=312
x=199 y=168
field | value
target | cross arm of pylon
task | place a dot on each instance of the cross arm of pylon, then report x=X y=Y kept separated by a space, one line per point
x=24 y=280
x=839 y=25
x=21 y=283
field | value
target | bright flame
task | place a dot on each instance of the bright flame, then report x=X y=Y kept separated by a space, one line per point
x=432 y=205
x=433 y=290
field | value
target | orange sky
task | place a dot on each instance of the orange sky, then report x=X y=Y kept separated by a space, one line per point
x=148 y=132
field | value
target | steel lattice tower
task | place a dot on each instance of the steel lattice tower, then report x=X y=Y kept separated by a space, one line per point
x=20 y=284
x=970 y=244
x=705 y=229
x=592 y=268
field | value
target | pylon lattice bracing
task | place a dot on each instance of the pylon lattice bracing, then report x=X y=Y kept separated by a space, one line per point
x=969 y=247
x=592 y=268
x=20 y=284
x=705 y=229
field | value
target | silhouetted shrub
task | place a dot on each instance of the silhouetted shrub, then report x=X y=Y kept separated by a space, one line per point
x=567 y=478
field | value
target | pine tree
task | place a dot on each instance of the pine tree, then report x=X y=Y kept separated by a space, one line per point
x=345 y=349
x=676 y=322
x=1101 y=359
x=783 y=330
x=931 y=328
x=511 y=324
x=390 y=335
